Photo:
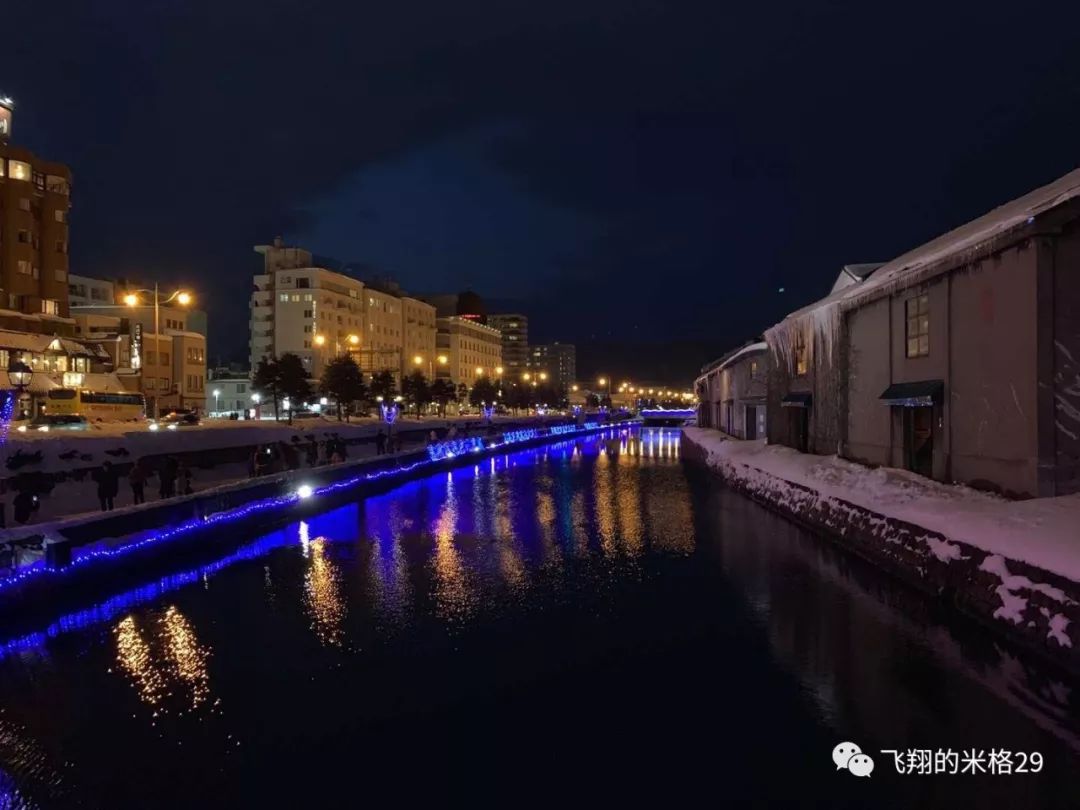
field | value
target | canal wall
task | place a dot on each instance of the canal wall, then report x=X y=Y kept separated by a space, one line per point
x=1036 y=608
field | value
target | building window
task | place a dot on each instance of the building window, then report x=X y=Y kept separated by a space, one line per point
x=57 y=185
x=918 y=326
x=24 y=203
x=17 y=170
x=61 y=216
x=24 y=237
x=61 y=246
x=295 y=298
x=163 y=383
x=283 y=298
x=801 y=363
x=164 y=358
x=753 y=367
x=307 y=328
x=50 y=307
x=303 y=283
x=23 y=266
x=241 y=388
x=309 y=313
x=149 y=383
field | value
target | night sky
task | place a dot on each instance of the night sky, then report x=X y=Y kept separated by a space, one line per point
x=642 y=177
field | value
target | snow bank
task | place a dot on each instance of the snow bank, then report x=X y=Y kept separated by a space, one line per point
x=1015 y=564
x=1044 y=532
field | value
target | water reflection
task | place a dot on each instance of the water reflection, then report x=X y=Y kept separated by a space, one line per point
x=323 y=599
x=164 y=661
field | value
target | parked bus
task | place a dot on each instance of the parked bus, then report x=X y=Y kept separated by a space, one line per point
x=111 y=406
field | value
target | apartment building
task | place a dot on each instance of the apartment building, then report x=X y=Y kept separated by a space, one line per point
x=472 y=349
x=35 y=197
x=515 y=340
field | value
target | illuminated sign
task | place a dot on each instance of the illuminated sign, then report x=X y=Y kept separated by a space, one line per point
x=136 y=346
x=5 y=123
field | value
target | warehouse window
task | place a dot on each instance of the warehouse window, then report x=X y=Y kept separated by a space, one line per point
x=918 y=326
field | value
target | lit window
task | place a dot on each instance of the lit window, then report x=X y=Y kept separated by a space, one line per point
x=57 y=185
x=801 y=363
x=918 y=326
x=60 y=216
x=23 y=267
x=24 y=203
x=60 y=275
x=295 y=298
x=283 y=297
x=50 y=307
x=17 y=170
x=149 y=383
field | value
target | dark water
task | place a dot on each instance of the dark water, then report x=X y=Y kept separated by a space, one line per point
x=593 y=622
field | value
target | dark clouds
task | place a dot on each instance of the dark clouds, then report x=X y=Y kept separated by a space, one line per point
x=609 y=151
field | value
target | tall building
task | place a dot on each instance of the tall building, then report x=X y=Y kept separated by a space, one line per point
x=472 y=350
x=420 y=337
x=318 y=314
x=558 y=360
x=515 y=340
x=35 y=196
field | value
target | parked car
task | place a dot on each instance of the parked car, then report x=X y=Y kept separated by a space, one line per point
x=178 y=417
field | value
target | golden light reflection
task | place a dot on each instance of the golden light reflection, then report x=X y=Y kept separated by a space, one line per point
x=165 y=662
x=134 y=657
x=188 y=657
x=323 y=600
x=453 y=595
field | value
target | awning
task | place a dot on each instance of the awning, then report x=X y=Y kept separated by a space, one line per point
x=914 y=394
x=797 y=399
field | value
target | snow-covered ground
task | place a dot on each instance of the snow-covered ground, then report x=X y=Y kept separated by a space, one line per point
x=1044 y=532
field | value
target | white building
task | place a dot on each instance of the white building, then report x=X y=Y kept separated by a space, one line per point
x=228 y=395
x=318 y=314
x=84 y=291
x=472 y=349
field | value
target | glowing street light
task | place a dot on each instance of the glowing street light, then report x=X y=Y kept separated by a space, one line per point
x=543 y=375
x=526 y=376
x=417 y=360
x=320 y=340
x=499 y=370
x=180 y=296
x=217 y=400
x=479 y=371
x=443 y=359
x=354 y=339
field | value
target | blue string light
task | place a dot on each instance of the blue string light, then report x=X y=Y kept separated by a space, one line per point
x=86 y=555
x=7 y=410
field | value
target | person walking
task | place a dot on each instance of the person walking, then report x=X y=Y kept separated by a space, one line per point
x=137 y=478
x=380 y=442
x=167 y=477
x=183 y=474
x=108 y=485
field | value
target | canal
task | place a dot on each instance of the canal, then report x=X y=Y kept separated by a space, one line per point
x=591 y=621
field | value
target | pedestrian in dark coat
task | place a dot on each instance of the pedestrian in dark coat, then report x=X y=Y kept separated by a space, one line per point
x=108 y=485
x=137 y=478
x=167 y=477
x=380 y=442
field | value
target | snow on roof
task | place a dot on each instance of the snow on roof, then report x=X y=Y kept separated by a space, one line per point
x=904 y=269
x=853 y=274
x=733 y=356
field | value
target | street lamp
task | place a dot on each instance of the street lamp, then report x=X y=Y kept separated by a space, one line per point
x=320 y=340
x=217 y=400
x=20 y=376
x=256 y=398
x=179 y=296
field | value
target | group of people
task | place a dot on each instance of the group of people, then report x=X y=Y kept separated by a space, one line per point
x=276 y=457
x=174 y=477
x=387 y=443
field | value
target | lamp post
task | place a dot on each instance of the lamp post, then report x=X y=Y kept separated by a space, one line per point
x=180 y=296
x=256 y=398
x=20 y=376
x=217 y=401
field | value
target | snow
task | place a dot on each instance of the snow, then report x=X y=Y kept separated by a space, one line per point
x=1042 y=532
x=1058 y=623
